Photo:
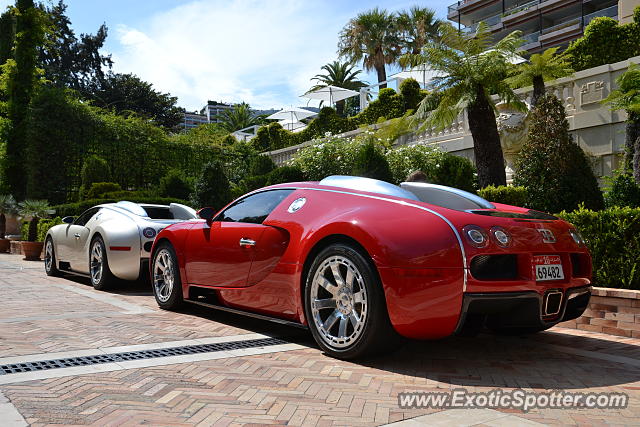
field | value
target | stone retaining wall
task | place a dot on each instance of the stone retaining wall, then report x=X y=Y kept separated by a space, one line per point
x=611 y=311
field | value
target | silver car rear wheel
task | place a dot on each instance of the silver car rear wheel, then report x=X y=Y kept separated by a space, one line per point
x=96 y=262
x=101 y=276
x=339 y=304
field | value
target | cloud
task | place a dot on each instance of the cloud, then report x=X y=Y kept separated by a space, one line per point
x=261 y=52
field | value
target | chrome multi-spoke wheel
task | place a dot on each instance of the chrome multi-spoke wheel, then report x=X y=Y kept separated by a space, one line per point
x=345 y=305
x=339 y=301
x=165 y=277
x=163 y=272
x=96 y=262
x=101 y=276
x=50 y=266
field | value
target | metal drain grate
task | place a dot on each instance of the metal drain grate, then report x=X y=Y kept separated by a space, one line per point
x=71 y=362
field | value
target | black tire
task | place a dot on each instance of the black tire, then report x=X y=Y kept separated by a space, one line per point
x=50 y=262
x=165 y=277
x=99 y=271
x=371 y=331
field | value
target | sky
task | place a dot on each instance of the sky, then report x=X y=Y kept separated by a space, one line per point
x=263 y=52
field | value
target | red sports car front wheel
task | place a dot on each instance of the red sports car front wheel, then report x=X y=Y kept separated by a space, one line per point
x=345 y=304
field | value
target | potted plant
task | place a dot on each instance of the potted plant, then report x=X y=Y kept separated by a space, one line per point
x=34 y=211
x=7 y=207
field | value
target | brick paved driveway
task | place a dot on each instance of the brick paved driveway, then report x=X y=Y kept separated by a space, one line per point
x=44 y=318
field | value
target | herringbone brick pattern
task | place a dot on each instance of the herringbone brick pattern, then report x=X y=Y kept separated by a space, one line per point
x=301 y=387
x=305 y=387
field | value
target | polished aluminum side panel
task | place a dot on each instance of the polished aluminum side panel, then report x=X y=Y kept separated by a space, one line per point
x=120 y=231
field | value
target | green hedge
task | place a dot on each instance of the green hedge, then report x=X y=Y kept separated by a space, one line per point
x=613 y=236
x=508 y=195
x=75 y=209
x=43 y=226
x=605 y=42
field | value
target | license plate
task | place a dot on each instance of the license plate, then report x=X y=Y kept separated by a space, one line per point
x=548 y=267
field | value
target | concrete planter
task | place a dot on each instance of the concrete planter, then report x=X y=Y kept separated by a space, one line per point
x=5 y=245
x=610 y=311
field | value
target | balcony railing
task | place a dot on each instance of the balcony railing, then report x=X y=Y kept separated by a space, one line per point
x=531 y=38
x=562 y=25
x=611 y=12
x=490 y=21
x=521 y=8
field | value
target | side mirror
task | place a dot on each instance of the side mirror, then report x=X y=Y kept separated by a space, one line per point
x=68 y=219
x=206 y=214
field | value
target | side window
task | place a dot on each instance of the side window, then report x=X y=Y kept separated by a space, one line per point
x=86 y=216
x=254 y=209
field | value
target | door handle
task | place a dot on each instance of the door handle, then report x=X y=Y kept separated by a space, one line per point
x=247 y=242
x=77 y=235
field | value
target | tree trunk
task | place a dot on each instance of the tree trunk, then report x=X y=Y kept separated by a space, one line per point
x=632 y=134
x=538 y=90
x=33 y=229
x=340 y=108
x=382 y=75
x=3 y=225
x=486 y=142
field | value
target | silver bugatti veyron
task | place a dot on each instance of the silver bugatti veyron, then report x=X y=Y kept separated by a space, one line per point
x=109 y=241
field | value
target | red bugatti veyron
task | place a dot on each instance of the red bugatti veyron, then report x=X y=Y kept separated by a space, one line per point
x=358 y=261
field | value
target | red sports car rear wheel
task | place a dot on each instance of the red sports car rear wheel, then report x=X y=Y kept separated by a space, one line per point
x=345 y=304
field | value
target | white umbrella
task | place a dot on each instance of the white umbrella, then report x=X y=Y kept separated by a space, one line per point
x=291 y=113
x=292 y=125
x=330 y=94
x=421 y=73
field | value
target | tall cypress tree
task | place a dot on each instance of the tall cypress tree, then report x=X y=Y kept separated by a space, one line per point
x=29 y=35
x=7 y=35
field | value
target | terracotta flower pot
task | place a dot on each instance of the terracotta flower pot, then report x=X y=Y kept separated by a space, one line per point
x=32 y=250
x=5 y=244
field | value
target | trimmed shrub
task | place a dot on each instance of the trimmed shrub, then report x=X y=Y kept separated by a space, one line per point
x=261 y=165
x=335 y=156
x=251 y=183
x=212 y=187
x=613 y=236
x=405 y=160
x=94 y=169
x=43 y=227
x=389 y=105
x=552 y=166
x=99 y=189
x=285 y=174
x=506 y=194
x=175 y=184
x=370 y=162
x=440 y=167
x=75 y=209
x=622 y=191
x=411 y=94
x=456 y=171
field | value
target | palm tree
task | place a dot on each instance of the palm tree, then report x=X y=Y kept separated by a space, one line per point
x=7 y=206
x=471 y=70
x=627 y=97
x=239 y=117
x=34 y=210
x=340 y=74
x=371 y=37
x=540 y=68
x=417 y=27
